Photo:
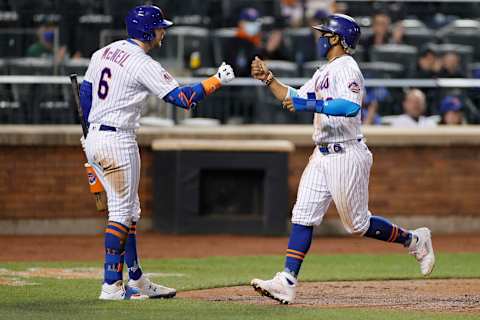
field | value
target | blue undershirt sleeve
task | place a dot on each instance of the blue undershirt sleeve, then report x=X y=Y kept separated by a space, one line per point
x=86 y=99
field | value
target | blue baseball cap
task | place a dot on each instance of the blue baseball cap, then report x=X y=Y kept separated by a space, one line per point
x=450 y=103
x=249 y=14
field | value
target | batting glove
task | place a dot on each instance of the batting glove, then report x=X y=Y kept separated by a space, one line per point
x=82 y=141
x=225 y=73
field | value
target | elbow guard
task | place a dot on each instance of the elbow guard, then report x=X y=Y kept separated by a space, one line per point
x=86 y=99
x=186 y=97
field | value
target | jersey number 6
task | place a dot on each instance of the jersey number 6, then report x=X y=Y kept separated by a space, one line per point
x=103 y=84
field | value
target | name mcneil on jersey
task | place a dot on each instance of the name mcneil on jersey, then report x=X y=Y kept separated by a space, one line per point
x=118 y=56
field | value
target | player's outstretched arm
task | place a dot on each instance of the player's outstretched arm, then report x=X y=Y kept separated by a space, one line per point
x=260 y=71
x=190 y=95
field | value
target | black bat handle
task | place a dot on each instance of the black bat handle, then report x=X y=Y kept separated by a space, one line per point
x=76 y=98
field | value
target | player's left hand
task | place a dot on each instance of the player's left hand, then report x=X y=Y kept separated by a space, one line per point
x=288 y=104
x=225 y=73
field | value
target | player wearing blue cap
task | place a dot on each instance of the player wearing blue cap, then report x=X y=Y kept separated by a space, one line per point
x=339 y=167
x=112 y=95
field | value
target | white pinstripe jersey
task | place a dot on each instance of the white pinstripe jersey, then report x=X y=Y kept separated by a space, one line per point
x=122 y=75
x=339 y=79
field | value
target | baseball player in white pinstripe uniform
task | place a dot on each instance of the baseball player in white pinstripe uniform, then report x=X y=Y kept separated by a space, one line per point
x=339 y=167
x=117 y=81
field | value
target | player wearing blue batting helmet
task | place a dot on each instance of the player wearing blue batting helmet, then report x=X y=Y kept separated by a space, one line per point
x=142 y=21
x=342 y=26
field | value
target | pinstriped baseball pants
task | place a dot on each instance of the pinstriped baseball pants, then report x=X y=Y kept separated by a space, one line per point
x=116 y=160
x=341 y=177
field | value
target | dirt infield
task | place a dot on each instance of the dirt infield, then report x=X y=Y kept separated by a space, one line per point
x=156 y=246
x=450 y=295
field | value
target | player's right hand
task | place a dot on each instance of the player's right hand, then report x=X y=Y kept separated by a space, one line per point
x=225 y=73
x=259 y=69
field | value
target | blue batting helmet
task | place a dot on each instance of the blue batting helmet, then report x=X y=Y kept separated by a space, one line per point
x=142 y=21
x=344 y=26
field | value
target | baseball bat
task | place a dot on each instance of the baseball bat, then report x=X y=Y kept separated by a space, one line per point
x=76 y=98
x=96 y=187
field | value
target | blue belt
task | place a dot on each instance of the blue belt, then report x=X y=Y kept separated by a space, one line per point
x=337 y=147
x=326 y=148
x=104 y=127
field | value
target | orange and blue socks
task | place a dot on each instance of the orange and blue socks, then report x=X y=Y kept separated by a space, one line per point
x=115 y=236
x=382 y=229
x=131 y=258
x=298 y=246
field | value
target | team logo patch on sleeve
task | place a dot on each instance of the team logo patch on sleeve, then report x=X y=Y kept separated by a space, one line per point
x=354 y=87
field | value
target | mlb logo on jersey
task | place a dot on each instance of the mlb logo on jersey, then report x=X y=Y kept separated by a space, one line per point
x=91 y=178
x=354 y=87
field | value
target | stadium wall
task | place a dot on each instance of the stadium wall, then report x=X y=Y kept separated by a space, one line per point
x=418 y=177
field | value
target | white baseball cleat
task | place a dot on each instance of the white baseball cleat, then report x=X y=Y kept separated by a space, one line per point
x=422 y=249
x=281 y=288
x=150 y=289
x=117 y=291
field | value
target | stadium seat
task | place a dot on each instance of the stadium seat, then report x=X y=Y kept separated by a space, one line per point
x=310 y=67
x=88 y=32
x=77 y=66
x=466 y=52
x=108 y=36
x=416 y=33
x=397 y=53
x=44 y=103
x=181 y=42
x=463 y=32
x=220 y=40
x=10 y=111
x=281 y=68
x=301 y=45
x=381 y=70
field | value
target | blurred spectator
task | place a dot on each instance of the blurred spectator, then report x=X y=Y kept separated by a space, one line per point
x=381 y=27
x=293 y=11
x=374 y=98
x=428 y=64
x=451 y=66
x=311 y=48
x=451 y=111
x=414 y=106
x=247 y=42
x=44 y=46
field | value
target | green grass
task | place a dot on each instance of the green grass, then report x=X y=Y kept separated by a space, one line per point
x=77 y=299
